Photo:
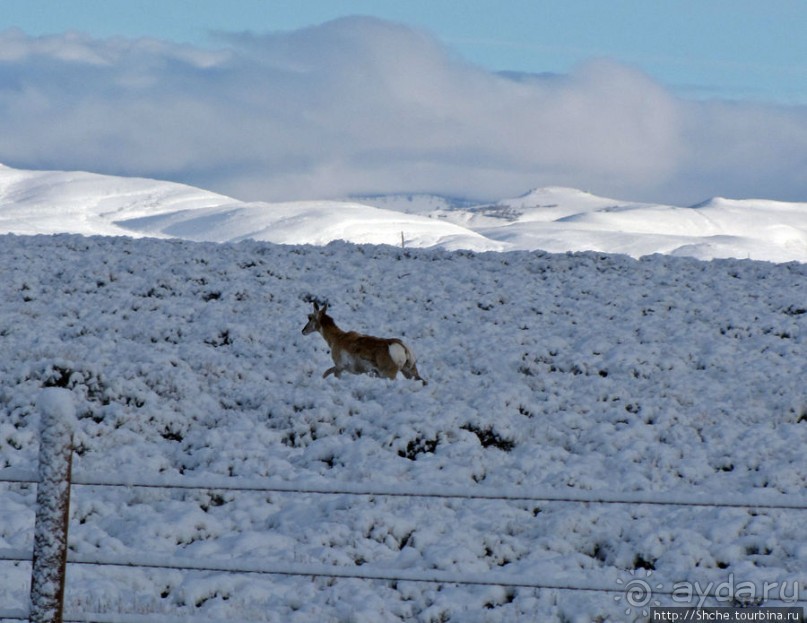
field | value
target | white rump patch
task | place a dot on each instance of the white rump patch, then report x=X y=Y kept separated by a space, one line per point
x=398 y=354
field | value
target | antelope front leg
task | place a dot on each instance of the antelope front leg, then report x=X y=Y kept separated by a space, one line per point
x=334 y=370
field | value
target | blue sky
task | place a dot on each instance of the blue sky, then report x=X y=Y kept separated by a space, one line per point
x=664 y=100
x=715 y=48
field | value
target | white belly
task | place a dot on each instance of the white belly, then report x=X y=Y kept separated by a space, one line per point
x=355 y=365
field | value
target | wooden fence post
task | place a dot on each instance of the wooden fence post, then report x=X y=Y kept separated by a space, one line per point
x=52 y=505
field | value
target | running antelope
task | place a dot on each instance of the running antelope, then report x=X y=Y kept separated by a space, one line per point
x=362 y=354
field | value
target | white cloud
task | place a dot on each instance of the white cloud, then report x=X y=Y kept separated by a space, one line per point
x=363 y=105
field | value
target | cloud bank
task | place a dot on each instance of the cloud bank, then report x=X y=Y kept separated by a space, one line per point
x=360 y=105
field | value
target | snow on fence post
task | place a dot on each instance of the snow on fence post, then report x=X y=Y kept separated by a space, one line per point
x=52 y=505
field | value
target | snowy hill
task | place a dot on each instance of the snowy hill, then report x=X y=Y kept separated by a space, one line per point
x=584 y=373
x=564 y=219
x=33 y=202
x=309 y=222
x=415 y=203
x=553 y=219
x=50 y=202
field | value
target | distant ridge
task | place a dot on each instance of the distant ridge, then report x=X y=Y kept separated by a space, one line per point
x=552 y=218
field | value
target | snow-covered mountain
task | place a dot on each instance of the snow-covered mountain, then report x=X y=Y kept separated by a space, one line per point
x=37 y=202
x=565 y=219
x=553 y=219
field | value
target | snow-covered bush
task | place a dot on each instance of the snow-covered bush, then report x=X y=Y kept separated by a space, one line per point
x=578 y=371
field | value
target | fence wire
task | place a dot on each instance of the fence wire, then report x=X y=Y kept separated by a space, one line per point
x=757 y=499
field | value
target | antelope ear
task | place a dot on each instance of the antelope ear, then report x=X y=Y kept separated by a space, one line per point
x=324 y=308
x=316 y=307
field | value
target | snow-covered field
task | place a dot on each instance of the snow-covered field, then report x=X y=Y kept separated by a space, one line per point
x=549 y=219
x=586 y=372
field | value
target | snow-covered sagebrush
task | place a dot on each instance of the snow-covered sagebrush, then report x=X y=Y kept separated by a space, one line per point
x=580 y=372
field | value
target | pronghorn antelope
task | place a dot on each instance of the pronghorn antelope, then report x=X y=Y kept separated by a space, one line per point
x=362 y=354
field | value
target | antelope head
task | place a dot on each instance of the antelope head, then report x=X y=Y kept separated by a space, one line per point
x=315 y=319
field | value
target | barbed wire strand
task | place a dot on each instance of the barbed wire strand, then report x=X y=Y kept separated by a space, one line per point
x=366 y=572
x=755 y=499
